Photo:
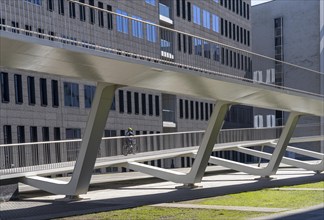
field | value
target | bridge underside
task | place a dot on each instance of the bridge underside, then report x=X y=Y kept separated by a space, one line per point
x=112 y=71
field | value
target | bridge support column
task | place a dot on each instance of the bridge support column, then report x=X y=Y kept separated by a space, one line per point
x=83 y=169
x=206 y=147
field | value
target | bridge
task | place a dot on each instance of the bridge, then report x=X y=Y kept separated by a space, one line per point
x=113 y=66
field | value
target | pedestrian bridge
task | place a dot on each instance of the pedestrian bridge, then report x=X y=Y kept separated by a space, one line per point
x=85 y=52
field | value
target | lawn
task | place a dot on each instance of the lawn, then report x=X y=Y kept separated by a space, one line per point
x=157 y=213
x=270 y=198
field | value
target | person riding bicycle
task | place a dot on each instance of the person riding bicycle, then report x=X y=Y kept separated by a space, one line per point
x=130 y=139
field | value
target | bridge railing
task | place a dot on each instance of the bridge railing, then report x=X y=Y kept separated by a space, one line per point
x=27 y=157
x=96 y=28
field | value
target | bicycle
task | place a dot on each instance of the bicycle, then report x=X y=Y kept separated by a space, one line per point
x=129 y=147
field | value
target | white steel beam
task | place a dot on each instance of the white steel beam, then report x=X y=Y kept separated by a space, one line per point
x=276 y=157
x=201 y=161
x=83 y=169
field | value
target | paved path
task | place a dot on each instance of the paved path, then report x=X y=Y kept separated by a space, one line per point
x=112 y=192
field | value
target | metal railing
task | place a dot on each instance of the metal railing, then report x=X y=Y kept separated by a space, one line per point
x=27 y=157
x=110 y=32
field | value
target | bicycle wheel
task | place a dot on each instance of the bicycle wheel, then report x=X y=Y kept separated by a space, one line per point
x=134 y=149
x=125 y=150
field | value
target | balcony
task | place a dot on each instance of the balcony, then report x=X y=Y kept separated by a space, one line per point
x=165 y=14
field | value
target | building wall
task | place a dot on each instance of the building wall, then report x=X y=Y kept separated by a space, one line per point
x=65 y=117
x=301 y=43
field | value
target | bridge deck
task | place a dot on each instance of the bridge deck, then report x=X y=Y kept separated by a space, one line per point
x=33 y=54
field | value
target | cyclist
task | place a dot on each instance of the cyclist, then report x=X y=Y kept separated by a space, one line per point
x=130 y=134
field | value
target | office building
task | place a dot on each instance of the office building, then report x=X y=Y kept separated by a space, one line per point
x=36 y=106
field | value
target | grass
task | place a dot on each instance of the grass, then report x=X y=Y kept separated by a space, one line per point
x=157 y=213
x=262 y=198
x=267 y=198
x=318 y=185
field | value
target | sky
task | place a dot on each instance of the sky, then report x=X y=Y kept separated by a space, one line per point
x=256 y=2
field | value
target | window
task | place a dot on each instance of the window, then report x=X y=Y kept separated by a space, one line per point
x=31 y=90
x=206 y=49
x=226 y=28
x=21 y=149
x=222 y=26
x=258 y=121
x=136 y=99
x=271 y=121
x=36 y=2
x=109 y=18
x=181 y=108
x=51 y=33
x=92 y=13
x=129 y=102
x=18 y=89
x=8 y=151
x=2 y=22
x=71 y=94
x=46 y=147
x=28 y=29
x=100 y=15
x=82 y=11
x=43 y=91
x=201 y=111
x=241 y=7
x=61 y=7
x=89 y=92
x=73 y=149
x=50 y=5
x=191 y=110
x=215 y=23
x=244 y=9
x=186 y=109
x=189 y=10
x=150 y=33
x=196 y=14
x=41 y=31
x=57 y=136
x=230 y=30
x=143 y=104
x=55 y=93
x=184 y=39
x=151 y=2
x=234 y=31
x=34 y=138
x=72 y=9
x=122 y=22
x=21 y=134
x=7 y=136
x=206 y=19
x=179 y=41
x=206 y=112
x=121 y=101
x=15 y=25
x=216 y=52
x=137 y=27
x=197 y=110
x=4 y=81
x=150 y=99
x=184 y=9
x=178 y=7
x=157 y=105
x=198 y=46
x=189 y=44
